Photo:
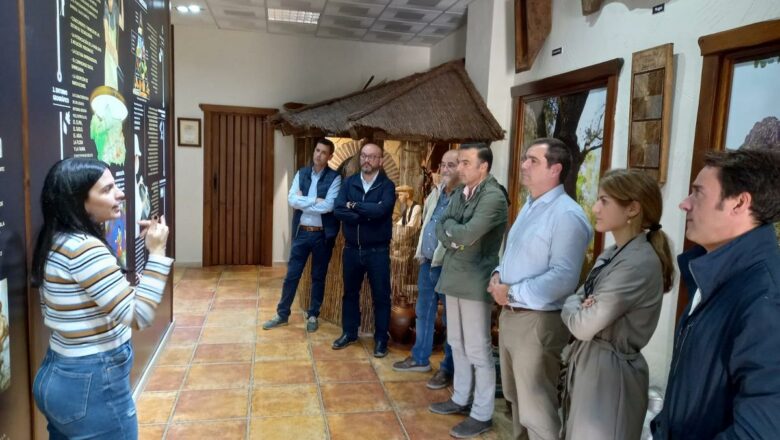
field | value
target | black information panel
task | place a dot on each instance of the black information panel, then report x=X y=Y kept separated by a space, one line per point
x=14 y=371
x=97 y=72
x=98 y=86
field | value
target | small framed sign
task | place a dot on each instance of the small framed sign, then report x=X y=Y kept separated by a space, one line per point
x=189 y=132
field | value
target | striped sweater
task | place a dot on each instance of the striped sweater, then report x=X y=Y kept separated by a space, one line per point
x=88 y=303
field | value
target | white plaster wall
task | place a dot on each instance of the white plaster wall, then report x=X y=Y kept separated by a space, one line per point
x=619 y=29
x=265 y=70
x=451 y=48
x=479 y=33
x=490 y=64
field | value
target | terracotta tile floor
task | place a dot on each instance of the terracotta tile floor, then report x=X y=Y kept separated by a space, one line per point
x=222 y=376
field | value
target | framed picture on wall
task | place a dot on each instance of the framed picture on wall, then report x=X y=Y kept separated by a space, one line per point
x=533 y=21
x=578 y=108
x=650 y=111
x=189 y=132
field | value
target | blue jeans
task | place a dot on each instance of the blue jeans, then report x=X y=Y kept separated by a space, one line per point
x=87 y=397
x=427 y=305
x=357 y=263
x=321 y=249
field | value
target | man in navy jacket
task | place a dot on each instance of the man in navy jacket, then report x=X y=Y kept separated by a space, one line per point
x=725 y=373
x=365 y=207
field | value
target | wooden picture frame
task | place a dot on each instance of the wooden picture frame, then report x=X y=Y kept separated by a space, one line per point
x=188 y=132
x=579 y=83
x=652 y=83
x=720 y=52
x=533 y=22
x=591 y=6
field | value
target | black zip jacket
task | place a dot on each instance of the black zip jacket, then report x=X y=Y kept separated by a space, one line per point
x=370 y=223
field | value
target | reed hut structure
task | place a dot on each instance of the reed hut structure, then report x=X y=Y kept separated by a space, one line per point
x=417 y=118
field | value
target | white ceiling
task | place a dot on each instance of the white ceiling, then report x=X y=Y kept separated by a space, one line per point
x=409 y=22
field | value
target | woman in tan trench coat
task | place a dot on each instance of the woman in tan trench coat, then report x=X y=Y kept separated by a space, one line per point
x=614 y=314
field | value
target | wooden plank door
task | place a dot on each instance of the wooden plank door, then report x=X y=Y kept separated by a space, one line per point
x=238 y=175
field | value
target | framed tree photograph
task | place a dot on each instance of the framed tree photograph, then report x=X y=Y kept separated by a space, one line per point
x=189 y=132
x=578 y=108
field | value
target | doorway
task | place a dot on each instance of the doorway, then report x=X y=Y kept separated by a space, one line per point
x=238 y=174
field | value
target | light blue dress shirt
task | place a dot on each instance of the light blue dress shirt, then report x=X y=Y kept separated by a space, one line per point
x=545 y=250
x=312 y=211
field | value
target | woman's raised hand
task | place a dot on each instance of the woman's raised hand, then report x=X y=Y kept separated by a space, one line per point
x=155 y=234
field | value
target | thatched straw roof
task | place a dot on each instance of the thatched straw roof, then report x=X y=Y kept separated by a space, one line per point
x=438 y=105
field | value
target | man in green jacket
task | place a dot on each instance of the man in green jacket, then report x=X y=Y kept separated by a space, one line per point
x=471 y=231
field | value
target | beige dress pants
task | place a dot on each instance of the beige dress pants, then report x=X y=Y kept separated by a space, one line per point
x=530 y=345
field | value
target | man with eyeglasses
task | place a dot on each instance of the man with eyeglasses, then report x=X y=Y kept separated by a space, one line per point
x=430 y=254
x=365 y=207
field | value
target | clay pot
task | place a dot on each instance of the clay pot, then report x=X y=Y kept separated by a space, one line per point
x=401 y=322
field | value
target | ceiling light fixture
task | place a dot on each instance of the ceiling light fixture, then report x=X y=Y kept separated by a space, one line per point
x=291 y=16
x=194 y=9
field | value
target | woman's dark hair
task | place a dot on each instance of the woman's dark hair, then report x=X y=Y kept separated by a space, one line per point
x=65 y=190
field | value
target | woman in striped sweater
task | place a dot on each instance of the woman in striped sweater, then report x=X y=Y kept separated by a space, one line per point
x=83 y=385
